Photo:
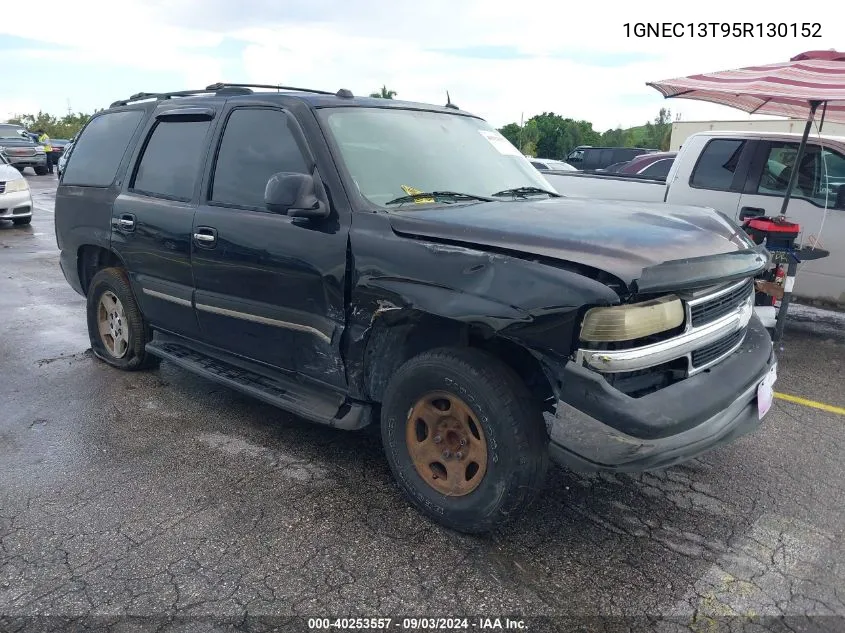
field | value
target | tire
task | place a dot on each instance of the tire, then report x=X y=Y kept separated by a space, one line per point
x=41 y=171
x=511 y=426
x=130 y=354
x=22 y=221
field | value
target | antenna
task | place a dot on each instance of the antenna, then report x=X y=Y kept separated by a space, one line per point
x=449 y=103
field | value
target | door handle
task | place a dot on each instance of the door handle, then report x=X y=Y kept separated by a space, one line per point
x=205 y=236
x=126 y=222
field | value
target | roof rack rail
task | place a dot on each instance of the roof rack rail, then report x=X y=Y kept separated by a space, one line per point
x=140 y=96
x=222 y=89
x=219 y=86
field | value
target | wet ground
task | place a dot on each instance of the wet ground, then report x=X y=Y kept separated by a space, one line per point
x=162 y=494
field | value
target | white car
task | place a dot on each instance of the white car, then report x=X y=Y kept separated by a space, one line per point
x=15 y=197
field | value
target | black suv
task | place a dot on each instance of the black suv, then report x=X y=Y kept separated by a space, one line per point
x=367 y=261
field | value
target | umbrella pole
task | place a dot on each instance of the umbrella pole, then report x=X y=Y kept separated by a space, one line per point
x=824 y=111
x=793 y=177
x=792 y=268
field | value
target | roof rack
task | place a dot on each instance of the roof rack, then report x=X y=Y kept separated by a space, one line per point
x=219 y=86
x=140 y=96
x=224 y=89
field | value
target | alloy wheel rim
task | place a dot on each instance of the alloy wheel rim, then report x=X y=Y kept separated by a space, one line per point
x=113 y=325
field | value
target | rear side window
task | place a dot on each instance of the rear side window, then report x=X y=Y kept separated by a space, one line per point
x=257 y=143
x=658 y=169
x=717 y=164
x=100 y=148
x=170 y=164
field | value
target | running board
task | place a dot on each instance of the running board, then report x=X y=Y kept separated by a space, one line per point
x=324 y=407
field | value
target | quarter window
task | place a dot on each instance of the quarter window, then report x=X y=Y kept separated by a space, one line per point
x=99 y=150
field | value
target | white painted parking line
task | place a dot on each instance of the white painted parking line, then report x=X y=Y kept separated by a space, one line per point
x=760 y=573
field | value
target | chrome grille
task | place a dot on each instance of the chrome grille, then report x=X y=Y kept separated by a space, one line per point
x=708 y=310
x=2 y=187
x=702 y=357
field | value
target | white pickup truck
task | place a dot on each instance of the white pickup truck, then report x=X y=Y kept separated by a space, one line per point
x=734 y=172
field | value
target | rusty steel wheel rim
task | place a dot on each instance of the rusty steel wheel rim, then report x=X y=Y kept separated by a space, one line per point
x=446 y=444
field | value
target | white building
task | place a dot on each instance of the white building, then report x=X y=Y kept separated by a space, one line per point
x=683 y=129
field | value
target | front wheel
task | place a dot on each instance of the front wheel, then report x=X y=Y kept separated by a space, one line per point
x=41 y=171
x=116 y=326
x=464 y=439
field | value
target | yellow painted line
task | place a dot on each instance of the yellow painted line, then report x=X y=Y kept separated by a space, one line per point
x=810 y=403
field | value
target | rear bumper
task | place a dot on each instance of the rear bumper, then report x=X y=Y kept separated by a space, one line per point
x=15 y=205
x=69 y=265
x=595 y=427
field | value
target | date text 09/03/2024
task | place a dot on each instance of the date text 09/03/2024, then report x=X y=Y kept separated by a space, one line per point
x=722 y=29
x=415 y=624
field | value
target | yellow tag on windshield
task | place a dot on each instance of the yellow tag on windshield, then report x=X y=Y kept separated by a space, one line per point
x=412 y=191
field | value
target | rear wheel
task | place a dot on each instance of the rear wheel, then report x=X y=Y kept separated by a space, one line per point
x=22 y=221
x=464 y=439
x=116 y=327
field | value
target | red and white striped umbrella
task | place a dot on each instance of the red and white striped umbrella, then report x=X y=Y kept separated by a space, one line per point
x=784 y=89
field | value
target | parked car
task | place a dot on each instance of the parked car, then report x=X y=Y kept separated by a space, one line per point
x=63 y=158
x=598 y=158
x=15 y=197
x=366 y=261
x=615 y=167
x=741 y=172
x=21 y=151
x=654 y=165
x=59 y=146
x=546 y=164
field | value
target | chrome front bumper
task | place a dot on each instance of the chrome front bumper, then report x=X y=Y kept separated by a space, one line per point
x=681 y=346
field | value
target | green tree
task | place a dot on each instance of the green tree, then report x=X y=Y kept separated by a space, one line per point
x=384 y=93
x=659 y=132
x=66 y=126
x=511 y=132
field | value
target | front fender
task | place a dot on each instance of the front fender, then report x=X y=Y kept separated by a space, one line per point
x=533 y=303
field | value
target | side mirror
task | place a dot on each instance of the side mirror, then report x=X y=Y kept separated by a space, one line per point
x=296 y=195
x=840 y=197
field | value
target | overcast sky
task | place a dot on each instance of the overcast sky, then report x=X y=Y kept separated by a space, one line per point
x=497 y=58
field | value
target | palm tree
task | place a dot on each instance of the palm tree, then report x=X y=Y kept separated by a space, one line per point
x=384 y=93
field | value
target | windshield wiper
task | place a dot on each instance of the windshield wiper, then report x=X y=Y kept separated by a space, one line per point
x=523 y=192
x=438 y=196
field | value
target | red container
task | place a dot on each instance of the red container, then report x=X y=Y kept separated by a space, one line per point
x=778 y=234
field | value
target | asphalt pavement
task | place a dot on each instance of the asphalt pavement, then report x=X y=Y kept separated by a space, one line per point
x=162 y=494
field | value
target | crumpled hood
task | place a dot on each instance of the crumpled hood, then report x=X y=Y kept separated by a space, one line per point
x=658 y=246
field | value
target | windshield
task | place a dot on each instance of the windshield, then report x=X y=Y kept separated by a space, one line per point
x=393 y=152
x=11 y=131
